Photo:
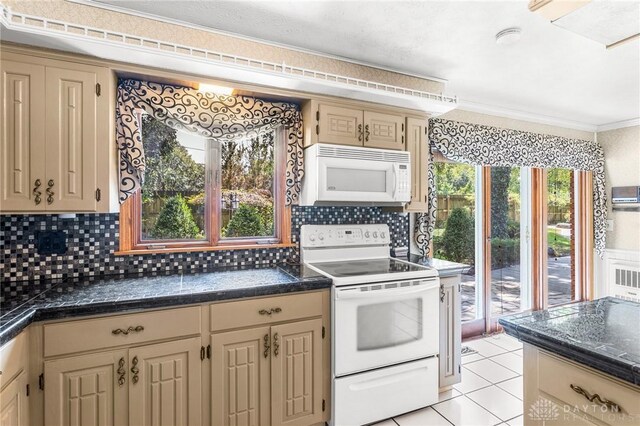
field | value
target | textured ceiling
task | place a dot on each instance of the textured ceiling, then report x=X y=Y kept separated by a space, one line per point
x=550 y=71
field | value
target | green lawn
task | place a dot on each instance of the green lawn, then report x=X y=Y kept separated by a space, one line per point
x=560 y=243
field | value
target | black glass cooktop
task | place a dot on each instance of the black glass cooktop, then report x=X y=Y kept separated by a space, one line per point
x=352 y=268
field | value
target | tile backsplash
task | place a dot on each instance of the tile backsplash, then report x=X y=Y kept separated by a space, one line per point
x=93 y=238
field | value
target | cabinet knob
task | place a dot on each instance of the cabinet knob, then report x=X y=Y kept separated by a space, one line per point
x=50 y=193
x=360 y=134
x=366 y=133
x=121 y=372
x=276 y=345
x=134 y=369
x=36 y=191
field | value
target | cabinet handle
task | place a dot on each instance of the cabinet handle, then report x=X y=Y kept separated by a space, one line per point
x=121 y=372
x=366 y=133
x=136 y=329
x=276 y=345
x=360 y=135
x=609 y=405
x=36 y=192
x=267 y=346
x=270 y=311
x=50 y=193
x=134 y=369
x=442 y=293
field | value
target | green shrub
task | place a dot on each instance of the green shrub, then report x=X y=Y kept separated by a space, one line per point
x=504 y=252
x=458 y=240
x=175 y=221
x=513 y=229
x=246 y=222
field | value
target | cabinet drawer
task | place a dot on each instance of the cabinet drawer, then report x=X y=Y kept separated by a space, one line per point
x=100 y=333
x=556 y=376
x=245 y=313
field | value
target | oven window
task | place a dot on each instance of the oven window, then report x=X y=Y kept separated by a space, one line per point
x=389 y=324
x=341 y=179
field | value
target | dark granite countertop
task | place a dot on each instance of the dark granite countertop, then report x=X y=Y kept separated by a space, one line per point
x=445 y=268
x=26 y=302
x=603 y=334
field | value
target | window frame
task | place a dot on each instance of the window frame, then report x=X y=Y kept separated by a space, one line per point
x=131 y=213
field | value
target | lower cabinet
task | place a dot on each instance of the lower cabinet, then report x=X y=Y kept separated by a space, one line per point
x=450 y=331
x=14 y=408
x=144 y=385
x=268 y=375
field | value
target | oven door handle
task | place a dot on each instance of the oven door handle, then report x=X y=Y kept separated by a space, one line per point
x=355 y=294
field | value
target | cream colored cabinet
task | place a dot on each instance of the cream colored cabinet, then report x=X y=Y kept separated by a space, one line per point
x=14 y=408
x=552 y=381
x=347 y=125
x=274 y=371
x=241 y=377
x=165 y=383
x=268 y=375
x=23 y=141
x=418 y=146
x=296 y=373
x=14 y=382
x=340 y=125
x=384 y=131
x=55 y=127
x=450 y=358
x=146 y=385
x=86 y=390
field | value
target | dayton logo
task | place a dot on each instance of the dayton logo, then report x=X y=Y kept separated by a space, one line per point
x=543 y=410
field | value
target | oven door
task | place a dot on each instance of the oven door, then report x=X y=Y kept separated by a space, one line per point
x=382 y=324
x=341 y=179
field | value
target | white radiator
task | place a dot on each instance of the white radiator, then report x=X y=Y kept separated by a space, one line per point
x=623 y=274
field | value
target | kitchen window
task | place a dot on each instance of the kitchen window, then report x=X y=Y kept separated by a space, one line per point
x=206 y=194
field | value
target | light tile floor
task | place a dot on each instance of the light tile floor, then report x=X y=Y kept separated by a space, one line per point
x=490 y=392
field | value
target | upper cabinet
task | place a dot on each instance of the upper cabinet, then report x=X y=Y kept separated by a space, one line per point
x=418 y=146
x=56 y=139
x=347 y=125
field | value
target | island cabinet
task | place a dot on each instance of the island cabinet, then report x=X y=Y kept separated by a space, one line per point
x=274 y=369
x=123 y=376
x=56 y=139
x=14 y=382
x=558 y=391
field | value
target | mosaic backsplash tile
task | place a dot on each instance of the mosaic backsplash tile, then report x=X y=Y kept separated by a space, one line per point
x=92 y=240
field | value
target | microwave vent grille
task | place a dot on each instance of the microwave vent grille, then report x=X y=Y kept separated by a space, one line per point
x=363 y=154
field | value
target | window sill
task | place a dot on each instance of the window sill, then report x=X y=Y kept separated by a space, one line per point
x=203 y=249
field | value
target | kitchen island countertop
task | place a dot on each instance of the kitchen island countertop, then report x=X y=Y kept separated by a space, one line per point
x=603 y=334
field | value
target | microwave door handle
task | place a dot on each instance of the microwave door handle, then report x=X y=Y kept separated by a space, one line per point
x=346 y=294
x=395 y=182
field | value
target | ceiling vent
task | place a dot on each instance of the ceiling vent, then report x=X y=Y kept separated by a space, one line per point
x=610 y=23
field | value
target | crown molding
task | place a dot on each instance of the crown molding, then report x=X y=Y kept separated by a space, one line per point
x=524 y=116
x=191 y=25
x=619 y=124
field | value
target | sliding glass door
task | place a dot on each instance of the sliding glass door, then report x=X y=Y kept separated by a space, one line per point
x=516 y=230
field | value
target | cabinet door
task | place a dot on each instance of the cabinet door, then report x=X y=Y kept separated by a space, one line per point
x=450 y=331
x=296 y=373
x=240 y=382
x=14 y=408
x=71 y=140
x=340 y=125
x=23 y=140
x=86 y=390
x=383 y=130
x=418 y=146
x=165 y=383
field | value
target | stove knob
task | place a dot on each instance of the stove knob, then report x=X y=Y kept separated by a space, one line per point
x=366 y=234
x=320 y=237
x=382 y=235
x=375 y=234
x=312 y=237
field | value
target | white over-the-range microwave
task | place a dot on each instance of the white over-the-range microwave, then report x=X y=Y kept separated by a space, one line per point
x=344 y=175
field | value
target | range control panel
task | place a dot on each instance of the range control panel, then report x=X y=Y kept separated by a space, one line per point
x=344 y=235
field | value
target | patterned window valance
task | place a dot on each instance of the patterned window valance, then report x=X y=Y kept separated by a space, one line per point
x=480 y=145
x=207 y=114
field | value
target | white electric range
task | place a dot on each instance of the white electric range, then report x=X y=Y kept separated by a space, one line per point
x=384 y=323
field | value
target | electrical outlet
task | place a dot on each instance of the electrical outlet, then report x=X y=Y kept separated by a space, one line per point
x=51 y=242
x=610 y=225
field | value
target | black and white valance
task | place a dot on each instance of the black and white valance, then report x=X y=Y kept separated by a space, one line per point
x=207 y=114
x=481 y=145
